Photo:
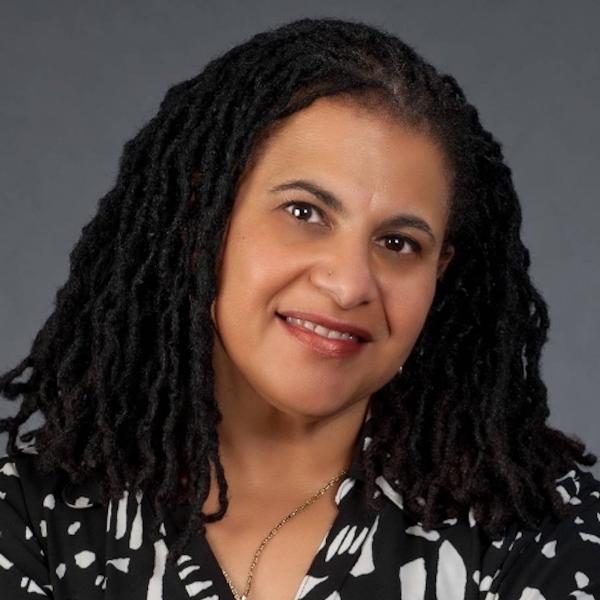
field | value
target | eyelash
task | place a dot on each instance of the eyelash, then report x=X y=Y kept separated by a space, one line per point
x=414 y=244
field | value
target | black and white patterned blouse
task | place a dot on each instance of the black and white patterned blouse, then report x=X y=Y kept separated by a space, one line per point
x=58 y=541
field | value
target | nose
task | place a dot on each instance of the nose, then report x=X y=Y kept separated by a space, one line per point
x=346 y=276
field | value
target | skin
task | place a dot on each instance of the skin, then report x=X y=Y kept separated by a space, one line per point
x=290 y=415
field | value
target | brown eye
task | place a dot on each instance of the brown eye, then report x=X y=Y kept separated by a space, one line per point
x=300 y=210
x=400 y=242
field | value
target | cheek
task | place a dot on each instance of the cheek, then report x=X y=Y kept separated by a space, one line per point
x=252 y=265
x=408 y=304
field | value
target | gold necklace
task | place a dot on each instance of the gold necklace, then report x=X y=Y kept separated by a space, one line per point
x=273 y=531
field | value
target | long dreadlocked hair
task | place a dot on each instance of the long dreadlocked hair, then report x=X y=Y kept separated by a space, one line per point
x=121 y=370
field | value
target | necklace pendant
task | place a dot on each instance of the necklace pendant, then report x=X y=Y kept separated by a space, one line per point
x=244 y=597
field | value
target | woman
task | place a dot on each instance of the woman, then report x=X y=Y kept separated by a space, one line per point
x=297 y=355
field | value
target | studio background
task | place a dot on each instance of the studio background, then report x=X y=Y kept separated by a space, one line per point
x=79 y=79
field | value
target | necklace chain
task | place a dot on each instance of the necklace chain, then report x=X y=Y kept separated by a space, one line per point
x=273 y=531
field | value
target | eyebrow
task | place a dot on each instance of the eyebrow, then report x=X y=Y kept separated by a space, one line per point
x=335 y=204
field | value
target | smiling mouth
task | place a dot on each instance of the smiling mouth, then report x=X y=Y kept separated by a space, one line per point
x=324 y=332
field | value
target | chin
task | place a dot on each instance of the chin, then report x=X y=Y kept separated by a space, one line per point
x=313 y=406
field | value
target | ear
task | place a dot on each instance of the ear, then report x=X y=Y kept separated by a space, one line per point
x=444 y=260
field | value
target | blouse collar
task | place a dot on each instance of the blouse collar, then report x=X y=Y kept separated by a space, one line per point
x=357 y=474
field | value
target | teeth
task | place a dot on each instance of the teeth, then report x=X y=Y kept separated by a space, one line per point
x=322 y=331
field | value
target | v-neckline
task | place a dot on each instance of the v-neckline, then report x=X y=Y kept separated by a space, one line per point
x=202 y=554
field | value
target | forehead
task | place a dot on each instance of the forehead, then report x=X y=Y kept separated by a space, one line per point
x=359 y=152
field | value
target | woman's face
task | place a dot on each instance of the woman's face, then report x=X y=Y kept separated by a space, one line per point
x=289 y=250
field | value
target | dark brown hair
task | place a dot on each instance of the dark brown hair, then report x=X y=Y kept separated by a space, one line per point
x=121 y=370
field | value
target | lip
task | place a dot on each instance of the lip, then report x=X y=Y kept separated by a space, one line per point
x=327 y=347
x=330 y=323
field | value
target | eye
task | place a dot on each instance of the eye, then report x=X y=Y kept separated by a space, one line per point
x=301 y=209
x=402 y=242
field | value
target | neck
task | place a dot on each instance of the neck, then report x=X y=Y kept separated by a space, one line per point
x=262 y=446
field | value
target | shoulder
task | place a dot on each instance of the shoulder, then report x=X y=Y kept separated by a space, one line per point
x=562 y=557
x=23 y=471
x=23 y=548
x=21 y=481
x=43 y=500
x=21 y=477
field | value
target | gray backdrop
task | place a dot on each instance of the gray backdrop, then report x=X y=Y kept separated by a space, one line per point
x=80 y=78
